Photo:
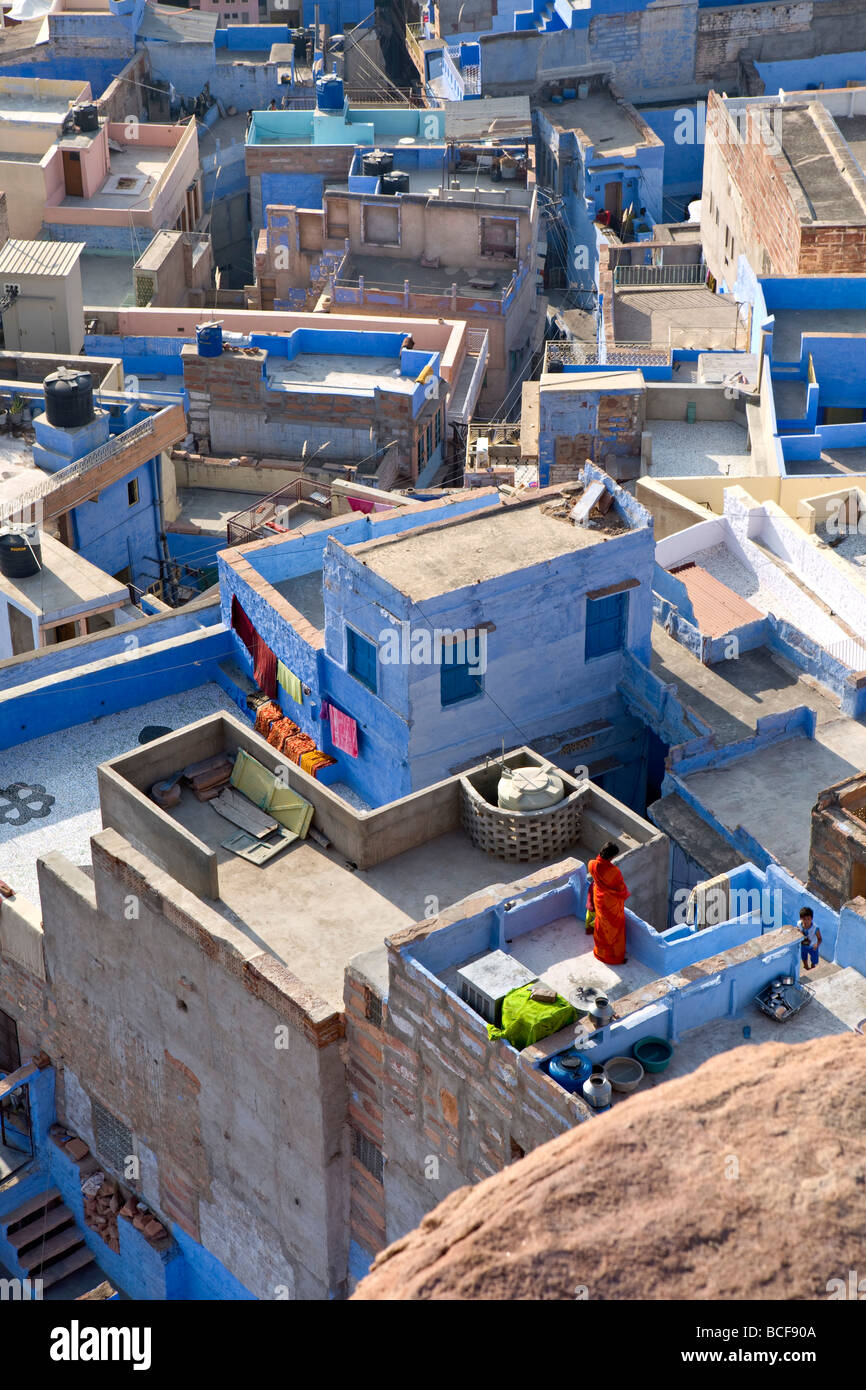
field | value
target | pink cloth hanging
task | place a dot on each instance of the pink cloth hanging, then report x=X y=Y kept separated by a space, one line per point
x=360 y=504
x=344 y=732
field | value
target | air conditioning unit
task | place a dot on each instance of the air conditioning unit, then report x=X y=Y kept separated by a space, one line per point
x=485 y=983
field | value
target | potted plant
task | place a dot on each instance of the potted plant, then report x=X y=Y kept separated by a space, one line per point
x=16 y=412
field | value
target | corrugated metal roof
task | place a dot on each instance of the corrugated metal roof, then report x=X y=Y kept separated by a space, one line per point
x=488 y=119
x=717 y=608
x=177 y=26
x=39 y=257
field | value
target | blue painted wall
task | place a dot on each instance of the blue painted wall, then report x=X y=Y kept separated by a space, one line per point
x=77 y=697
x=112 y=534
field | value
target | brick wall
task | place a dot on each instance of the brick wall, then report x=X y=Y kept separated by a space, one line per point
x=366 y=1041
x=750 y=199
x=457 y=1107
x=230 y=398
x=164 y=1022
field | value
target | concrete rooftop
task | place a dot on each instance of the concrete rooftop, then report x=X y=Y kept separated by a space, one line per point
x=605 y=122
x=144 y=165
x=792 y=323
x=806 y=154
x=438 y=559
x=709 y=447
x=390 y=272
x=314 y=913
x=66 y=585
x=337 y=372
x=65 y=764
x=688 y=317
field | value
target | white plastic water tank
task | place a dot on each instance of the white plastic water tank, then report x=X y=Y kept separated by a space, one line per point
x=529 y=789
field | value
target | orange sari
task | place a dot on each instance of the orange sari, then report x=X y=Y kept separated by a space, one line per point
x=609 y=895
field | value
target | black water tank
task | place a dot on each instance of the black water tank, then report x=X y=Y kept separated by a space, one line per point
x=398 y=182
x=87 y=118
x=298 y=39
x=68 y=398
x=20 y=552
x=377 y=163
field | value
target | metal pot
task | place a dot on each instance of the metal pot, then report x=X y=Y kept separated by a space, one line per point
x=601 y=1011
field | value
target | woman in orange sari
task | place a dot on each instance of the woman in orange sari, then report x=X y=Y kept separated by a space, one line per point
x=608 y=895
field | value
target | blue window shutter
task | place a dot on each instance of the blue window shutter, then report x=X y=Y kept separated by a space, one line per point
x=361 y=656
x=458 y=679
x=605 y=625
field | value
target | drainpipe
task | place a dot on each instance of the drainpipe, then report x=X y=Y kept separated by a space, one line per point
x=156 y=475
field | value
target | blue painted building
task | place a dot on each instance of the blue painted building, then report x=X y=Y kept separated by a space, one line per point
x=178 y=1267
x=812 y=332
x=445 y=630
x=291 y=155
x=596 y=157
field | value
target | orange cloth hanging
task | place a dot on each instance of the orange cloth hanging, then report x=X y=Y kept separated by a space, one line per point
x=609 y=894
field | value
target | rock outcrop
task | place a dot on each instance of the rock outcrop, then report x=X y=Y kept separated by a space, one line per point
x=746 y=1179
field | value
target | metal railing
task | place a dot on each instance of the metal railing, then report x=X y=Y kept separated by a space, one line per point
x=569 y=353
x=263 y=518
x=478 y=342
x=639 y=276
x=53 y=481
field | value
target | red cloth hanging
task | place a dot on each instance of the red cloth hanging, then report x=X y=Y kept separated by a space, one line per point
x=265 y=671
x=244 y=628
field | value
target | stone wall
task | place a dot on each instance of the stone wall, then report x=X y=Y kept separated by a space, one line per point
x=225 y=1069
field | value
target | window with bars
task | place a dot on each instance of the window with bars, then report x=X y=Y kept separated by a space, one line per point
x=113 y=1140
x=368 y=1155
x=438 y=424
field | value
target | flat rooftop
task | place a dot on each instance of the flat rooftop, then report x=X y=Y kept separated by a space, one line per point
x=70 y=778
x=822 y=178
x=791 y=324
x=434 y=560
x=314 y=913
x=212 y=508
x=337 y=372
x=305 y=594
x=107 y=280
x=771 y=792
x=689 y=317
x=853 y=128
x=429 y=182
x=390 y=272
x=716 y=448
x=67 y=584
x=132 y=179
x=732 y=696
x=607 y=124
x=31 y=99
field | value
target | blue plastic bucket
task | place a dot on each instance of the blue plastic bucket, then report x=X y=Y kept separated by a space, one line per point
x=209 y=339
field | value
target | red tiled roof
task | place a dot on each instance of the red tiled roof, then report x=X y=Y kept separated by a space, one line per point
x=717 y=608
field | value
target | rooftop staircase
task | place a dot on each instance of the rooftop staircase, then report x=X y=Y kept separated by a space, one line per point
x=48 y=1244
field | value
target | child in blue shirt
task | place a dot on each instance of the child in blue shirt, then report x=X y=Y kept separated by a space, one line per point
x=811 y=939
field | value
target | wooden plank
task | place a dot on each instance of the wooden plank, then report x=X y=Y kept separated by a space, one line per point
x=258 y=852
x=37 y=1203
x=238 y=809
x=217 y=763
x=169 y=428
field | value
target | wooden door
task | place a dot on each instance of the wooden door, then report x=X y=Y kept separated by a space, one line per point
x=72 y=174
